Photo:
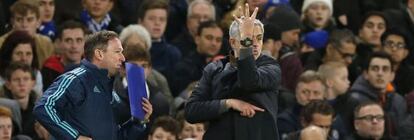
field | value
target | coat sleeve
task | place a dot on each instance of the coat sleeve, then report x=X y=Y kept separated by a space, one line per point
x=60 y=96
x=253 y=77
x=200 y=106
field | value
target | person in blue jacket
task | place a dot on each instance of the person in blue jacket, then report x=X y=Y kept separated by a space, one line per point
x=80 y=103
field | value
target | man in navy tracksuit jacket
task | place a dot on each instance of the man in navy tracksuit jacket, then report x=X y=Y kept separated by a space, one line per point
x=80 y=103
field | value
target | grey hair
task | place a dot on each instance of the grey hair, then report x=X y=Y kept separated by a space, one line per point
x=196 y=2
x=234 y=31
x=136 y=29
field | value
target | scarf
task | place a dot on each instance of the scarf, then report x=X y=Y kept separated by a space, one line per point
x=92 y=24
x=48 y=29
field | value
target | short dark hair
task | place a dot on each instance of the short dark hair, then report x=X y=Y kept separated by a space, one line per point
x=206 y=24
x=14 y=66
x=378 y=54
x=23 y=7
x=395 y=31
x=152 y=4
x=98 y=40
x=137 y=52
x=370 y=14
x=10 y=43
x=338 y=36
x=316 y=106
x=167 y=123
x=70 y=24
x=362 y=105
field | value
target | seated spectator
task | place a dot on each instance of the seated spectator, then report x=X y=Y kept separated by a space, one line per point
x=20 y=47
x=372 y=27
x=70 y=42
x=317 y=15
x=311 y=42
x=137 y=36
x=374 y=85
x=198 y=11
x=310 y=87
x=190 y=131
x=19 y=86
x=271 y=41
x=161 y=104
x=289 y=24
x=369 y=118
x=341 y=47
x=14 y=106
x=47 y=11
x=165 y=128
x=153 y=16
x=6 y=126
x=26 y=17
x=395 y=43
x=335 y=76
x=190 y=68
x=317 y=113
x=96 y=16
x=313 y=133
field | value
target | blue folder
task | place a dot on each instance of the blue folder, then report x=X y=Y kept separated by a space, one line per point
x=136 y=89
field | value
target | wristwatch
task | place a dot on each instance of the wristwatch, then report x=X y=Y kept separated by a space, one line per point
x=247 y=42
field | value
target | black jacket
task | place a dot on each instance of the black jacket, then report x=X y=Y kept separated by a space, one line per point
x=255 y=82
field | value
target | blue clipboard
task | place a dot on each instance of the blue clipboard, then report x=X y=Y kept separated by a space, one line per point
x=136 y=89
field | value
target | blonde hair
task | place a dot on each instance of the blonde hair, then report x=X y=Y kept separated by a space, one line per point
x=329 y=69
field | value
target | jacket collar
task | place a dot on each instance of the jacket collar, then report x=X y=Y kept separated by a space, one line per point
x=101 y=73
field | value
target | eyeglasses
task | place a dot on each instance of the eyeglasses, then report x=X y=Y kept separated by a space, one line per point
x=371 y=118
x=392 y=44
x=345 y=55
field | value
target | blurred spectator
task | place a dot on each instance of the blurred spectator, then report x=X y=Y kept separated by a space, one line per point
x=20 y=47
x=190 y=68
x=6 y=126
x=26 y=17
x=317 y=113
x=311 y=42
x=341 y=47
x=313 y=133
x=96 y=16
x=368 y=120
x=371 y=29
x=335 y=76
x=374 y=85
x=310 y=87
x=188 y=130
x=70 y=43
x=20 y=81
x=161 y=102
x=272 y=41
x=198 y=11
x=137 y=36
x=47 y=11
x=153 y=16
x=164 y=128
x=289 y=24
x=395 y=44
x=317 y=15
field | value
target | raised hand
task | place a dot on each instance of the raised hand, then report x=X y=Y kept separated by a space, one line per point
x=246 y=109
x=246 y=21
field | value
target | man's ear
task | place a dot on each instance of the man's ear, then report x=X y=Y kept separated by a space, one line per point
x=98 y=54
x=232 y=42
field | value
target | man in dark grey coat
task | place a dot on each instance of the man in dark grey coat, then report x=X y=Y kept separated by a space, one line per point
x=238 y=95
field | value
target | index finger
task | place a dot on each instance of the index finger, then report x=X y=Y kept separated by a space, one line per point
x=255 y=13
x=258 y=109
